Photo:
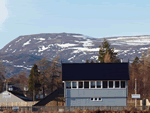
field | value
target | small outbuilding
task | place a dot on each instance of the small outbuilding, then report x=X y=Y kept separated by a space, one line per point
x=13 y=98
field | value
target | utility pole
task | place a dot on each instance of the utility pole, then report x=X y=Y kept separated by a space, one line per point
x=135 y=92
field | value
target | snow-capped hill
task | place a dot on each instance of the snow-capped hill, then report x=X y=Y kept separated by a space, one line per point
x=24 y=51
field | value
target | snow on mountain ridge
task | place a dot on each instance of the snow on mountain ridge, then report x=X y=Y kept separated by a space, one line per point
x=26 y=43
x=70 y=47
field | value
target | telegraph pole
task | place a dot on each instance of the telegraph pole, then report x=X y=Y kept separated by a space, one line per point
x=135 y=92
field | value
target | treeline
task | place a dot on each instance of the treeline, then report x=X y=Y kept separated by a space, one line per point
x=140 y=70
x=46 y=75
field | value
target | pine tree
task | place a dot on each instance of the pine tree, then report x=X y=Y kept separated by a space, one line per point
x=136 y=60
x=34 y=80
x=103 y=51
x=2 y=75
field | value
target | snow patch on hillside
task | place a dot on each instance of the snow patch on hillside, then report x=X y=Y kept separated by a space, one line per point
x=39 y=39
x=80 y=49
x=26 y=43
x=144 y=48
x=7 y=61
x=86 y=43
x=71 y=57
x=28 y=68
x=78 y=36
x=94 y=57
x=66 y=45
x=19 y=39
x=116 y=50
x=14 y=51
x=42 y=48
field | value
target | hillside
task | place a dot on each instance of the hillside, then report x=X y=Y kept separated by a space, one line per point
x=21 y=53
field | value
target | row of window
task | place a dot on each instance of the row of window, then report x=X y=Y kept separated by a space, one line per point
x=95 y=84
x=96 y=99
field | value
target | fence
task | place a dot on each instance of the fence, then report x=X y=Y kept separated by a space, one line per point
x=13 y=104
x=39 y=109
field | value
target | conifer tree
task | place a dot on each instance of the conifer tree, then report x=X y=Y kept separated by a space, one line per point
x=34 y=80
x=2 y=75
x=136 y=60
x=103 y=51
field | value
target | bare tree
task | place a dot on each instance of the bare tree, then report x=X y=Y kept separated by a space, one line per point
x=50 y=73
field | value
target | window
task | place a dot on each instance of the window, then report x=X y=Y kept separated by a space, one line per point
x=93 y=84
x=86 y=84
x=68 y=85
x=110 y=84
x=104 y=84
x=99 y=99
x=95 y=99
x=74 y=84
x=98 y=84
x=116 y=84
x=80 y=84
x=122 y=84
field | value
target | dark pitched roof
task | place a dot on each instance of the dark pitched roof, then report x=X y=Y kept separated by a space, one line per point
x=95 y=71
x=20 y=95
x=57 y=93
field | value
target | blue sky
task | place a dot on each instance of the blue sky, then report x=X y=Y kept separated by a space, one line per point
x=95 y=18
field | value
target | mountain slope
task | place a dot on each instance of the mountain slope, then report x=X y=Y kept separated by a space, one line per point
x=21 y=53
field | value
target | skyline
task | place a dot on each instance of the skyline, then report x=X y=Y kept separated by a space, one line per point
x=95 y=19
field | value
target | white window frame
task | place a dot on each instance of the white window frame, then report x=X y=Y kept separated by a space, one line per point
x=96 y=84
x=83 y=84
x=89 y=84
x=107 y=84
x=113 y=84
x=72 y=84
x=125 y=84
x=119 y=84
x=66 y=84
x=77 y=84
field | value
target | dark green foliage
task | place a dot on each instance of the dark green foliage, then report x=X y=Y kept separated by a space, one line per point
x=96 y=61
x=92 y=61
x=136 y=60
x=34 y=79
x=104 y=48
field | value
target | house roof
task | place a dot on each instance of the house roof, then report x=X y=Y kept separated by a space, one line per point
x=20 y=95
x=59 y=92
x=95 y=71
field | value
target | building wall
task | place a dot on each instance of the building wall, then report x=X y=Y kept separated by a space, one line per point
x=12 y=98
x=110 y=97
x=88 y=102
x=71 y=93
